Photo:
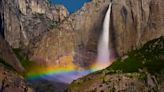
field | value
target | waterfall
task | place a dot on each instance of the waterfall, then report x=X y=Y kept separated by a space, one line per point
x=103 y=58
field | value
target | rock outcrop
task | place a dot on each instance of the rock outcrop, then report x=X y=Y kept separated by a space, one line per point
x=8 y=56
x=129 y=82
x=10 y=81
x=24 y=20
x=132 y=24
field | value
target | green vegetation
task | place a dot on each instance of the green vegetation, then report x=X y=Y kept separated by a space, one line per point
x=52 y=24
x=147 y=58
x=24 y=60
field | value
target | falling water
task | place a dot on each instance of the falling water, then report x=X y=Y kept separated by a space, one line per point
x=66 y=76
x=103 y=59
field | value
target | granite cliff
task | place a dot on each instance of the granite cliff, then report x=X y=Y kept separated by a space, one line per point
x=133 y=23
x=24 y=20
x=47 y=34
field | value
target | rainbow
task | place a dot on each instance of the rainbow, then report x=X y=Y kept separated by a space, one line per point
x=41 y=72
x=68 y=71
x=65 y=72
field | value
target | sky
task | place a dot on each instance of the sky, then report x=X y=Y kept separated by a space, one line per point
x=71 y=5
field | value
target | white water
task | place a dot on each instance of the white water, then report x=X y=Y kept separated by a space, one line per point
x=103 y=58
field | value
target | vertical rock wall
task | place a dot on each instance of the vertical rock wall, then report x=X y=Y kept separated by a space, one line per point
x=24 y=20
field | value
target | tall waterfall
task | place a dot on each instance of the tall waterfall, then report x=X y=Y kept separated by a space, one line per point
x=103 y=59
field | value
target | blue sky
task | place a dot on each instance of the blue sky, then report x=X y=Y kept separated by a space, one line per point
x=71 y=5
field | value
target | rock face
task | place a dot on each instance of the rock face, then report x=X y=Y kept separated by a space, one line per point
x=76 y=32
x=7 y=54
x=136 y=22
x=132 y=24
x=24 y=20
x=12 y=82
